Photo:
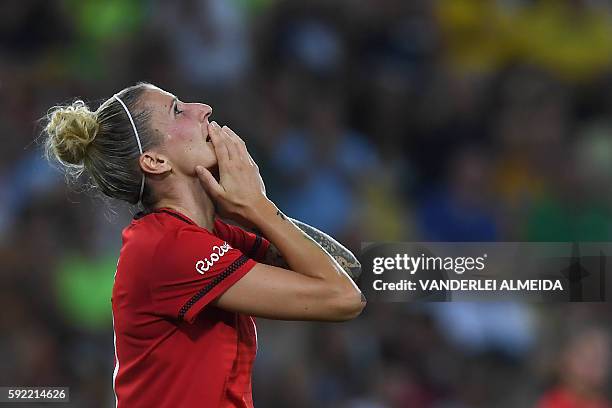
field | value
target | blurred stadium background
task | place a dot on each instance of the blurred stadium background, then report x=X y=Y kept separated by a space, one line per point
x=458 y=120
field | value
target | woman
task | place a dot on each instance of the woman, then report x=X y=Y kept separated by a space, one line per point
x=187 y=283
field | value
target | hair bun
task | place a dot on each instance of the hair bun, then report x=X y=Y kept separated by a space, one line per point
x=71 y=129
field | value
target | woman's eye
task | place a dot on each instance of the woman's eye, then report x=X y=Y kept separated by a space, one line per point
x=176 y=110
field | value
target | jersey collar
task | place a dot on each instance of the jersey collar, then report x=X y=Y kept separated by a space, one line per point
x=168 y=211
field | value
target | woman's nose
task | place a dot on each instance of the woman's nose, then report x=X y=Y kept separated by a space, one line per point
x=204 y=111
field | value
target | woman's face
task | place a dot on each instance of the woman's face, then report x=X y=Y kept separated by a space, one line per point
x=184 y=130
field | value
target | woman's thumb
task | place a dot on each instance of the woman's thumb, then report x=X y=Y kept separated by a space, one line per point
x=209 y=183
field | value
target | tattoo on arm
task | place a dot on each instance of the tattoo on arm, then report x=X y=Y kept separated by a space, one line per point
x=343 y=256
x=273 y=257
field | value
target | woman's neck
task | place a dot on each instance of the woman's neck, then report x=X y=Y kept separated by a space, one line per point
x=191 y=200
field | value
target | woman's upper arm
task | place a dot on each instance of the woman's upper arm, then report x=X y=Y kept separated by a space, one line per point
x=276 y=293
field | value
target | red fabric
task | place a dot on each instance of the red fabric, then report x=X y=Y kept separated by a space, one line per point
x=251 y=244
x=561 y=398
x=171 y=349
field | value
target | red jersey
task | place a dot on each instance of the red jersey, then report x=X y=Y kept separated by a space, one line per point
x=173 y=349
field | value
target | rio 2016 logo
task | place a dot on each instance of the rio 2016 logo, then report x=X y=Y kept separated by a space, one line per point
x=204 y=265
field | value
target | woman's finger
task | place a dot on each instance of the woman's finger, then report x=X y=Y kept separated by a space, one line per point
x=234 y=135
x=219 y=142
x=240 y=145
x=234 y=144
x=251 y=160
x=209 y=183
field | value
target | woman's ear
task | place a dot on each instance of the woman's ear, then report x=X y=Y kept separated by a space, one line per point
x=154 y=163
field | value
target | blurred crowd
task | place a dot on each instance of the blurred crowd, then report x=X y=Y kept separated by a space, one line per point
x=374 y=120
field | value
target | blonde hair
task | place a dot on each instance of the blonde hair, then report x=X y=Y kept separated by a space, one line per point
x=102 y=144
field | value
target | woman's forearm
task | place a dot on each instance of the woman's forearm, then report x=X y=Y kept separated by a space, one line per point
x=336 y=250
x=300 y=251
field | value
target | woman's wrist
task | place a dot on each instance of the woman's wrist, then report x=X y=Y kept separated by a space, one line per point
x=259 y=211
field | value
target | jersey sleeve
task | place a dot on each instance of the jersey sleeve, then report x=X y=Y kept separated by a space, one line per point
x=253 y=245
x=191 y=268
